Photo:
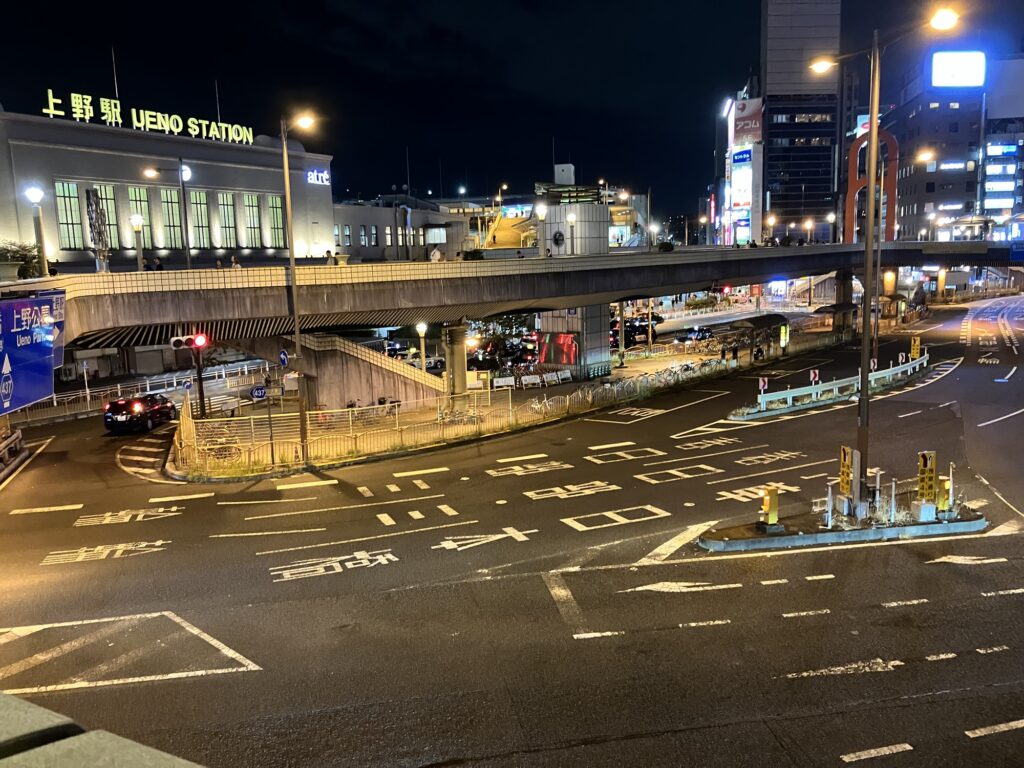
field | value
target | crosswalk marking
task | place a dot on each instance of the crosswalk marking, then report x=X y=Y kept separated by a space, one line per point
x=447 y=510
x=365 y=491
x=416 y=515
x=421 y=484
x=386 y=519
x=393 y=488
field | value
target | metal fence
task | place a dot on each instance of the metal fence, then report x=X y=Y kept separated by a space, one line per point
x=259 y=443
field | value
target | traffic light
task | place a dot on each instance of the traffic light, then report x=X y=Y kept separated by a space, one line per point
x=195 y=341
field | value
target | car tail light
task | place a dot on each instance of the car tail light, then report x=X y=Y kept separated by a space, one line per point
x=136 y=407
x=106 y=407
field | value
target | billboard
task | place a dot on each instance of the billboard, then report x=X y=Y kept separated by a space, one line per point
x=558 y=348
x=958 y=69
x=747 y=122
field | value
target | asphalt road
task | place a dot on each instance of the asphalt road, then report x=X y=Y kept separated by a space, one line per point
x=537 y=600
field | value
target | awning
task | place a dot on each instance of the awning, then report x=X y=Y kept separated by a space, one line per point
x=760 y=322
x=896 y=297
x=835 y=309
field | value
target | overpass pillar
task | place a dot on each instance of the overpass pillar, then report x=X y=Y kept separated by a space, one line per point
x=843 y=321
x=455 y=363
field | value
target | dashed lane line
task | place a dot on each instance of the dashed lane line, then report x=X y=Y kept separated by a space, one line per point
x=416 y=514
x=992 y=649
x=820 y=577
x=366 y=538
x=802 y=614
x=1013 y=725
x=867 y=754
x=940 y=657
x=366 y=492
x=158 y=499
x=778 y=470
x=386 y=519
x=307 y=484
x=510 y=459
x=264 y=501
x=625 y=444
x=34 y=510
x=1003 y=593
x=905 y=603
x=415 y=472
x=772 y=582
x=393 y=488
x=421 y=484
x=347 y=506
x=264 y=533
x=447 y=510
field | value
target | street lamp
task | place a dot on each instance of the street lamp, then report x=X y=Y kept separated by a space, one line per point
x=304 y=122
x=623 y=196
x=421 y=329
x=925 y=156
x=831 y=219
x=184 y=175
x=931 y=223
x=137 y=222
x=943 y=19
x=704 y=223
x=921 y=233
x=540 y=210
x=655 y=228
x=571 y=218
x=35 y=196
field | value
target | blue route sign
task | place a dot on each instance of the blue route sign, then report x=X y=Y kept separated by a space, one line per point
x=26 y=351
x=57 y=312
x=258 y=392
x=283 y=357
x=1017 y=251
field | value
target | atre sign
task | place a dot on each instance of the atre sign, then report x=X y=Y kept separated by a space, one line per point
x=320 y=178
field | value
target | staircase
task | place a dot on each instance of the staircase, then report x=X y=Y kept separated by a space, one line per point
x=327 y=343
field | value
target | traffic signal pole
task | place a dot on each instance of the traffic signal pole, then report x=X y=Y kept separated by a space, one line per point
x=197 y=354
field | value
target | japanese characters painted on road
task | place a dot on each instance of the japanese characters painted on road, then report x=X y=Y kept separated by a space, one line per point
x=324 y=566
x=926 y=475
x=128 y=516
x=104 y=551
x=459 y=543
x=27 y=328
x=915 y=347
x=762 y=384
x=615 y=517
x=521 y=470
x=815 y=376
x=848 y=457
x=572 y=491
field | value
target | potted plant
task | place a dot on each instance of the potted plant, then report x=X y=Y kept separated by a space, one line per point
x=18 y=260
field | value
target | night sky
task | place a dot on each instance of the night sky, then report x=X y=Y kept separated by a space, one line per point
x=629 y=91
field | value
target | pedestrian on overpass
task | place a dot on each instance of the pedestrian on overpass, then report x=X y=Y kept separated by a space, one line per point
x=234 y=263
x=435 y=255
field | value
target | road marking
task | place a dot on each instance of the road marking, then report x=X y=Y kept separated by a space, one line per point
x=616 y=517
x=771 y=582
x=447 y=510
x=867 y=754
x=264 y=533
x=56 y=651
x=510 y=459
x=940 y=657
x=307 y=484
x=801 y=614
x=393 y=488
x=420 y=472
x=158 y=499
x=33 y=510
x=712 y=623
x=819 y=577
x=566 y=604
x=264 y=501
x=367 y=538
x=687 y=535
x=365 y=491
x=421 y=484
x=1008 y=376
x=386 y=519
x=905 y=415
x=679 y=473
x=778 y=470
x=28 y=461
x=154 y=440
x=625 y=444
x=416 y=515
x=347 y=506
x=854 y=668
x=705 y=456
x=592 y=635
x=151 y=459
x=967 y=560
x=146 y=449
x=677 y=587
x=1013 y=725
x=904 y=603
x=1002 y=418
x=993 y=649
x=1003 y=593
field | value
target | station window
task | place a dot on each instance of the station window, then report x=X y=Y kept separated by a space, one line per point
x=69 y=215
x=170 y=206
x=138 y=205
x=362 y=235
x=933 y=105
x=387 y=236
x=337 y=235
x=423 y=237
x=348 y=235
x=200 y=218
x=253 y=233
x=228 y=227
x=274 y=209
x=954 y=105
x=105 y=193
x=401 y=236
x=373 y=234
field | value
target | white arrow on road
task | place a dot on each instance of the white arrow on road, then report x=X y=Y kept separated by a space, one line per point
x=967 y=560
x=681 y=586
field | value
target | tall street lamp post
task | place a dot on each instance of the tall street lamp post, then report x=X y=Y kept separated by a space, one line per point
x=35 y=196
x=304 y=122
x=944 y=19
x=540 y=210
x=571 y=218
x=421 y=329
x=138 y=223
x=184 y=174
x=831 y=219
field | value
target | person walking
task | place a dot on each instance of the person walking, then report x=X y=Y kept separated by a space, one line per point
x=158 y=265
x=435 y=255
x=329 y=259
x=234 y=263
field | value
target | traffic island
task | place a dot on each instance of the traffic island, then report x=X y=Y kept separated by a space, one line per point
x=806 y=530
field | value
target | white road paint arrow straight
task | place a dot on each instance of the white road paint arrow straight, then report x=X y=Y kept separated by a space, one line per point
x=681 y=586
x=967 y=560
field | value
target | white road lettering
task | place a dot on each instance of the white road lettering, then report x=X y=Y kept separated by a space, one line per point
x=628 y=455
x=615 y=517
x=366 y=538
x=324 y=566
x=572 y=491
x=128 y=516
x=460 y=543
x=102 y=552
x=679 y=473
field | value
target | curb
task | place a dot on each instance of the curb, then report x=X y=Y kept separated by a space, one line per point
x=789 y=541
x=11 y=468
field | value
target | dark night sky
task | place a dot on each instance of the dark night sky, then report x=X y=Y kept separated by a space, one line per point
x=628 y=90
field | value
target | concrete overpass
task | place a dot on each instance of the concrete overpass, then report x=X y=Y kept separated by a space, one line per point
x=147 y=308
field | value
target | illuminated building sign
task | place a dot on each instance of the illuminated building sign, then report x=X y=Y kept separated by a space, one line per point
x=952 y=166
x=1000 y=186
x=999 y=150
x=998 y=202
x=742 y=156
x=958 y=69
x=951 y=207
x=320 y=178
x=997 y=169
x=82 y=108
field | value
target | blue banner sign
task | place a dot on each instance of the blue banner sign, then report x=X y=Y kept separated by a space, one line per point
x=1017 y=250
x=27 y=329
x=57 y=310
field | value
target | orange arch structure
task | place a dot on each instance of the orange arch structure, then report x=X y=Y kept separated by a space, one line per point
x=858 y=182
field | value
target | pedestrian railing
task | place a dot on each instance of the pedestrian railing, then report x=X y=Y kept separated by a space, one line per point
x=831 y=390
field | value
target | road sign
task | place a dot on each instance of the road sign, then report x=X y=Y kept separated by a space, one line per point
x=815 y=376
x=846 y=459
x=915 y=347
x=258 y=393
x=783 y=336
x=283 y=357
x=762 y=384
x=187 y=385
x=874 y=363
x=903 y=357
x=926 y=475
x=57 y=312
x=26 y=352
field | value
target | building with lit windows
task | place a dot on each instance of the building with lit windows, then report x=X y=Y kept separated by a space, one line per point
x=220 y=197
x=1003 y=169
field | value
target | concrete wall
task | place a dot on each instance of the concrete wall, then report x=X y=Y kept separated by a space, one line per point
x=590 y=229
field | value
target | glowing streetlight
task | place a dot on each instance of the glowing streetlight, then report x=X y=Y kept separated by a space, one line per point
x=571 y=218
x=831 y=218
x=944 y=19
x=150 y=173
x=304 y=122
x=541 y=209
x=35 y=196
x=623 y=195
x=462 y=191
x=823 y=66
x=421 y=329
x=925 y=156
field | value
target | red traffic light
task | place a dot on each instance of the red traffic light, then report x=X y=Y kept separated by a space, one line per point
x=200 y=340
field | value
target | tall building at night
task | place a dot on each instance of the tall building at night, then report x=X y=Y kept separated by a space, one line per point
x=801 y=113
